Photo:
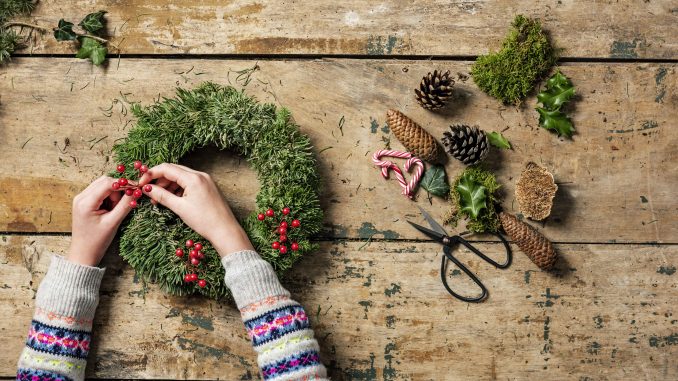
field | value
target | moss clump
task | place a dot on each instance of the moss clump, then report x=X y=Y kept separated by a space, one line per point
x=526 y=56
x=487 y=219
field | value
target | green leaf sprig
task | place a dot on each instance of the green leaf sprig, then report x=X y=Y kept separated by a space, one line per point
x=92 y=45
x=473 y=197
x=498 y=140
x=435 y=181
x=559 y=90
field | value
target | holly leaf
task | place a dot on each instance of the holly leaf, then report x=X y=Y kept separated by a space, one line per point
x=498 y=140
x=472 y=196
x=556 y=121
x=559 y=90
x=93 y=50
x=435 y=181
x=64 y=31
x=93 y=22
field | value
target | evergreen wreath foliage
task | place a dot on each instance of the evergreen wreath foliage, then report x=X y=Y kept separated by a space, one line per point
x=268 y=139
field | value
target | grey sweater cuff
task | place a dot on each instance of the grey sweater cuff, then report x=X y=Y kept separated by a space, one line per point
x=250 y=278
x=70 y=289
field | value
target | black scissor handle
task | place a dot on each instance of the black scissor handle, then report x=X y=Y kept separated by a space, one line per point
x=443 y=268
x=489 y=260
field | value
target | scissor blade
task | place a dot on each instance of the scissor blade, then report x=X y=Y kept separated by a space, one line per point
x=432 y=234
x=434 y=225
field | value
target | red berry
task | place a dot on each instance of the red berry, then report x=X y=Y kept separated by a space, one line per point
x=283 y=249
x=296 y=223
x=193 y=254
x=294 y=246
x=275 y=245
x=133 y=204
x=143 y=168
x=283 y=238
x=179 y=253
x=261 y=216
x=286 y=211
x=128 y=192
x=200 y=255
x=195 y=261
x=202 y=283
x=148 y=188
x=120 y=168
x=137 y=193
x=282 y=230
x=122 y=181
x=283 y=224
x=270 y=213
x=194 y=277
x=187 y=278
x=198 y=246
x=189 y=243
x=115 y=186
x=137 y=164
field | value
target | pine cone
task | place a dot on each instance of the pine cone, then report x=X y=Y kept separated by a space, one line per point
x=413 y=136
x=535 y=191
x=434 y=90
x=537 y=247
x=466 y=144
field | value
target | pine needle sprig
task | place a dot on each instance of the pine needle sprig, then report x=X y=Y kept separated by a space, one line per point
x=222 y=116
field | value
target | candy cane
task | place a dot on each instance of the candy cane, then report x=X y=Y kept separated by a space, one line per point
x=386 y=166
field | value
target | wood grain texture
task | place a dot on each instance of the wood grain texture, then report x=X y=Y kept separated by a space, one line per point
x=380 y=313
x=60 y=118
x=605 y=29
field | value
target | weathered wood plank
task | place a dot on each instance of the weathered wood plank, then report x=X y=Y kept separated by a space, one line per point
x=380 y=312
x=623 y=29
x=617 y=175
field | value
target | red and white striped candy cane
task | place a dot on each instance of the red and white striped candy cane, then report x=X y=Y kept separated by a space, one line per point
x=386 y=166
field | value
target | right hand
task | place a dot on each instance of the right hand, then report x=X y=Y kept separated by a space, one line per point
x=194 y=197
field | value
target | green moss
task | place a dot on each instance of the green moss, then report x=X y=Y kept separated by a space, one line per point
x=525 y=57
x=487 y=219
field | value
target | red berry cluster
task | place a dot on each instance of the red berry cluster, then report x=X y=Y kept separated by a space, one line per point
x=131 y=188
x=195 y=255
x=280 y=227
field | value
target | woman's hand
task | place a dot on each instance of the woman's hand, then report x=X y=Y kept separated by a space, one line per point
x=194 y=197
x=97 y=213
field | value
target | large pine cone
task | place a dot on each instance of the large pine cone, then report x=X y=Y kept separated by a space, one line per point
x=434 y=90
x=413 y=136
x=466 y=144
x=537 y=247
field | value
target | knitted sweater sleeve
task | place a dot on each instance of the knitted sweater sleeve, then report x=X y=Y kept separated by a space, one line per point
x=60 y=333
x=277 y=325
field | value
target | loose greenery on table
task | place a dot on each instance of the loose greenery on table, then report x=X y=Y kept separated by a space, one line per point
x=559 y=90
x=228 y=119
x=434 y=181
x=498 y=140
x=9 y=39
x=526 y=55
x=473 y=197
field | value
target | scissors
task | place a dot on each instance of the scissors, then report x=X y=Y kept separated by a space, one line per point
x=437 y=233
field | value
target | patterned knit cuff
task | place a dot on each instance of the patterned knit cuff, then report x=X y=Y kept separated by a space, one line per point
x=250 y=278
x=70 y=289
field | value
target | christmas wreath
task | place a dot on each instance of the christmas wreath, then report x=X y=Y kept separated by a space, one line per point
x=153 y=238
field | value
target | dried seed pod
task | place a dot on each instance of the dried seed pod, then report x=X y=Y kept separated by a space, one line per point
x=537 y=247
x=413 y=136
x=535 y=191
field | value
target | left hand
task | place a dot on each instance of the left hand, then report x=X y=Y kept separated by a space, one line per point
x=97 y=213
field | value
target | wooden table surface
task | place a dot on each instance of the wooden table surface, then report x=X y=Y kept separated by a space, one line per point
x=373 y=291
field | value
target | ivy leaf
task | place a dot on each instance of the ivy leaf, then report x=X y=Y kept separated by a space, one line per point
x=435 y=181
x=556 y=121
x=93 y=22
x=472 y=196
x=498 y=140
x=92 y=49
x=559 y=90
x=64 y=31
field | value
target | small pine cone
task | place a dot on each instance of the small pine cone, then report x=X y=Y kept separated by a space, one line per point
x=466 y=144
x=535 y=191
x=537 y=247
x=413 y=136
x=434 y=90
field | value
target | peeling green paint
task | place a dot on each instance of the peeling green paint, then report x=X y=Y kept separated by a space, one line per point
x=624 y=49
x=379 y=45
x=366 y=305
x=527 y=276
x=548 y=343
x=197 y=320
x=666 y=270
x=648 y=124
x=353 y=373
x=455 y=272
x=390 y=373
x=385 y=128
x=206 y=350
x=390 y=321
x=374 y=125
x=395 y=288
x=367 y=230
x=661 y=87
x=593 y=348
x=659 y=342
x=598 y=320
x=643 y=199
x=368 y=282
x=549 y=299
